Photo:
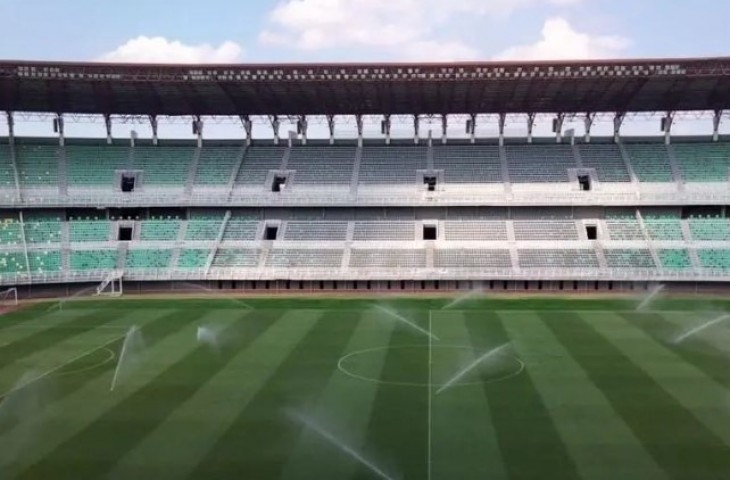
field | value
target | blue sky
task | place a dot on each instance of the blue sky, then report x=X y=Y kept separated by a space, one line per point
x=359 y=30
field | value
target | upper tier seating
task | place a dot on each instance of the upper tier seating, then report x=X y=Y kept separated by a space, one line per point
x=204 y=225
x=569 y=258
x=390 y=258
x=395 y=164
x=539 y=163
x=164 y=166
x=624 y=227
x=239 y=229
x=193 y=258
x=95 y=165
x=468 y=163
x=236 y=258
x=316 y=231
x=41 y=227
x=148 y=259
x=297 y=258
x=384 y=231
x=215 y=165
x=607 y=160
x=89 y=230
x=37 y=165
x=650 y=162
x=257 y=163
x=554 y=230
x=666 y=226
x=715 y=229
x=322 y=164
x=10 y=232
x=475 y=231
x=12 y=262
x=703 y=162
x=675 y=259
x=159 y=230
x=625 y=258
x=93 y=259
x=715 y=259
x=7 y=177
x=472 y=258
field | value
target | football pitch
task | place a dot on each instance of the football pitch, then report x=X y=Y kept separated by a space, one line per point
x=490 y=388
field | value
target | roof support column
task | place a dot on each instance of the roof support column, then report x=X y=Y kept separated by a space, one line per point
x=247 y=127
x=530 y=126
x=58 y=128
x=385 y=128
x=416 y=128
x=618 y=120
x=331 y=125
x=716 y=120
x=302 y=128
x=558 y=127
x=590 y=118
x=358 y=121
x=471 y=127
x=198 y=129
x=502 y=122
x=667 y=123
x=11 y=127
x=153 y=125
x=275 y=124
x=108 y=125
x=444 y=126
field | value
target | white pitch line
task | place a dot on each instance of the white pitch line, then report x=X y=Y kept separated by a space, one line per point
x=470 y=367
x=430 y=400
x=59 y=367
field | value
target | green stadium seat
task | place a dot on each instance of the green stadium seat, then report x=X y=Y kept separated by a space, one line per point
x=148 y=259
x=83 y=260
x=675 y=259
x=192 y=258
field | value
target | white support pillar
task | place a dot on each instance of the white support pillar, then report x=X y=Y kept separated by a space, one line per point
x=302 y=128
x=11 y=127
x=153 y=125
x=385 y=128
x=132 y=138
x=416 y=128
x=198 y=130
x=716 y=120
x=502 y=121
x=358 y=121
x=618 y=121
x=58 y=128
x=530 y=126
x=108 y=125
x=248 y=128
x=558 y=127
x=589 y=119
x=444 y=126
x=667 y=123
x=275 y=124
x=471 y=127
x=331 y=125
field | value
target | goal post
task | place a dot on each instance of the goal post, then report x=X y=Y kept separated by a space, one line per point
x=9 y=297
x=112 y=286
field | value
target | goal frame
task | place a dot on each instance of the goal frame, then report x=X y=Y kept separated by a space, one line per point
x=5 y=295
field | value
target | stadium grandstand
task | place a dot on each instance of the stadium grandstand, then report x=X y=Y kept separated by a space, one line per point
x=569 y=212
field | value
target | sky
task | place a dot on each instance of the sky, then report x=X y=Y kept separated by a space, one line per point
x=267 y=31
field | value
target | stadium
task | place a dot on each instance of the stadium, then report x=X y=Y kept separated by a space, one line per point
x=431 y=307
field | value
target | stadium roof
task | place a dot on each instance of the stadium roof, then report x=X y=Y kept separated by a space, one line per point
x=343 y=89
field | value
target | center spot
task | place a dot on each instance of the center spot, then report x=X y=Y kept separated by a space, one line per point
x=408 y=365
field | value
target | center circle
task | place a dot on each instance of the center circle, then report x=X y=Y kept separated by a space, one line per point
x=409 y=366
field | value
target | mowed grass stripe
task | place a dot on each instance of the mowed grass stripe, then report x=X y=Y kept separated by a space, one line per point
x=464 y=441
x=93 y=450
x=344 y=407
x=705 y=398
x=259 y=440
x=25 y=313
x=39 y=324
x=398 y=427
x=77 y=399
x=680 y=444
x=698 y=350
x=530 y=443
x=600 y=443
x=177 y=445
x=45 y=338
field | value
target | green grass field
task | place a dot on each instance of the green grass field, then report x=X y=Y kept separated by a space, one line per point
x=296 y=388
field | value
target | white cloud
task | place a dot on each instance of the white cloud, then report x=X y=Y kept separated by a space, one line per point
x=560 y=41
x=144 y=49
x=398 y=26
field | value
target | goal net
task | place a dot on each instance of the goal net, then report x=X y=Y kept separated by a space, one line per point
x=9 y=298
x=112 y=285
